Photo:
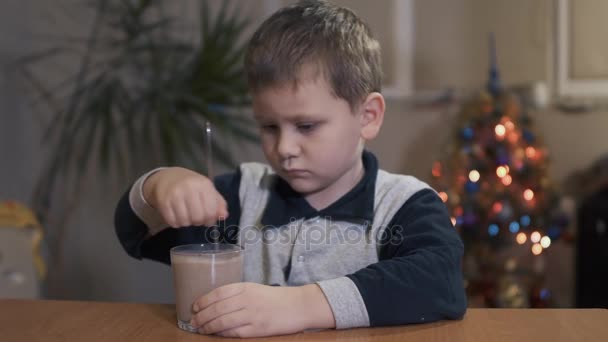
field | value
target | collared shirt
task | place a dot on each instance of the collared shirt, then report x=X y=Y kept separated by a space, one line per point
x=284 y=204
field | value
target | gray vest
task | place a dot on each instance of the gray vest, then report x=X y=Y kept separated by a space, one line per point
x=306 y=251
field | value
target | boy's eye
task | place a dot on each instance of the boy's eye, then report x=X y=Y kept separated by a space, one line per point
x=269 y=128
x=306 y=127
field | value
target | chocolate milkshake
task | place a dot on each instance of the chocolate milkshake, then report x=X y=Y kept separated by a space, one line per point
x=198 y=269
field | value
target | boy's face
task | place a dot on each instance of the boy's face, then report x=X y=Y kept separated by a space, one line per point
x=311 y=138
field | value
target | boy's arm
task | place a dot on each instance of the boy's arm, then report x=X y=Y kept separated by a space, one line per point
x=418 y=278
x=144 y=234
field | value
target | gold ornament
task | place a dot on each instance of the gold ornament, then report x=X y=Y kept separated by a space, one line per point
x=15 y=215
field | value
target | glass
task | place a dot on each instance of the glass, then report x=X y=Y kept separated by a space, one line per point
x=200 y=268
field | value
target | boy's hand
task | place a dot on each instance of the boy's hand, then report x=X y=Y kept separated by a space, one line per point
x=254 y=310
x=184 y=198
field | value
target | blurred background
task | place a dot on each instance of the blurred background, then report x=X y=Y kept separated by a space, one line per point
x=94 y=93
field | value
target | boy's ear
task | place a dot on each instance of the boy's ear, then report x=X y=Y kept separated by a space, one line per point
x=372 y=115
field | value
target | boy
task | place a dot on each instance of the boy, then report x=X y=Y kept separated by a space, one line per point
x=348 y=244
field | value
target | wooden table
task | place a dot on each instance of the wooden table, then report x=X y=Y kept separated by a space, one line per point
x=38 y=320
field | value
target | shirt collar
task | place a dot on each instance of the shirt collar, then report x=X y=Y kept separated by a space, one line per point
x=285 y=204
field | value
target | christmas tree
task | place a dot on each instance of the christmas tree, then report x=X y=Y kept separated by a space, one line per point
x=494 y=180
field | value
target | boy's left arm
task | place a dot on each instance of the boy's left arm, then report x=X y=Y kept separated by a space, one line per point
x=418 y=278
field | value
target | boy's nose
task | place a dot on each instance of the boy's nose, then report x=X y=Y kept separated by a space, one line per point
x=287 y=146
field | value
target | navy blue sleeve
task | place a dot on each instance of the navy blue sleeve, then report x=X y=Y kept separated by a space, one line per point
x=133 y=232
x=419 y=276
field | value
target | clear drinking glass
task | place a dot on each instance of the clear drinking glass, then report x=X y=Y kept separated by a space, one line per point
x=200 y=268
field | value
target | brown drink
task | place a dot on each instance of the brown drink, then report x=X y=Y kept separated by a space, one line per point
x=198 y=269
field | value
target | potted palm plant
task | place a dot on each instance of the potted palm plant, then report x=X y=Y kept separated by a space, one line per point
x=140 y=97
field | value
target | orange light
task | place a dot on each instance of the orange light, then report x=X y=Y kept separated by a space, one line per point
x=458 y=211
x=528 y=195
x=497 y=207
x=501 y=171
x=537 y=249
x=509 y=125
x=474 y=176
x=444 y=196
x=500 y=130
x=461 y=179
x=437 y=169
x=513 y=137
x=530 y=152
x=521 y=238
x=507 y=180
x=453 y=221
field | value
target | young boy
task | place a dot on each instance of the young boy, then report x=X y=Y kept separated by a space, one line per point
x=348 y=245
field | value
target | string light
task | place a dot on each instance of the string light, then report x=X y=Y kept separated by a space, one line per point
x=535 y=237
x=436 y=169
x=537 y=249
x=453 y=219
x=497 y=207
x=444 y=196
x=500 y=131
x=528 y=195
x=530 y=152
x=514 y=227
x=459 y=220
x=474 y=176
x=461 y=179
x=525 y=220
x=521 y=238
x=507 y=180
x=509 y=125
x=545 y=242
x=545 y=293
x=501 y=171
x=493 y=229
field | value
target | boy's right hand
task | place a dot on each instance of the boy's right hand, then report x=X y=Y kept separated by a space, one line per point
x=184 y=198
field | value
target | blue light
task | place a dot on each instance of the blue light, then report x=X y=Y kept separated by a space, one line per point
x=471 y=187
x=554 y=232
x=544 y=294
x=459 y=220
x=468 y=133
x=503 y=160
x=514 y=227
x=528 y=136
x=525 y=220
x=493 y=230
